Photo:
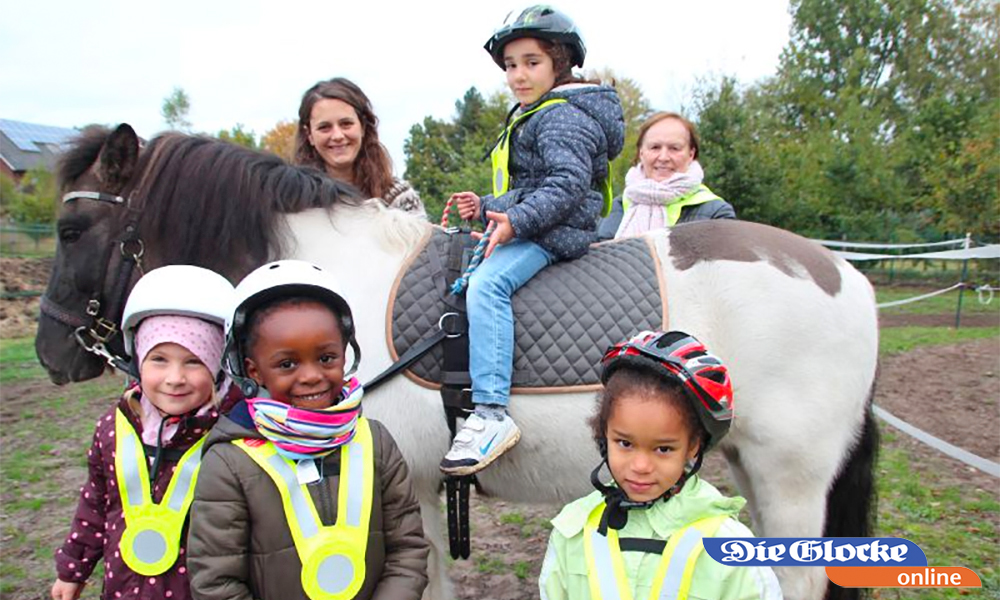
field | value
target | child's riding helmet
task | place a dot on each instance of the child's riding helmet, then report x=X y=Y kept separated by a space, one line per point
x=539 y=21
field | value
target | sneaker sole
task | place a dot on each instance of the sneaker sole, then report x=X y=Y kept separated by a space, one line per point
x=497 y=452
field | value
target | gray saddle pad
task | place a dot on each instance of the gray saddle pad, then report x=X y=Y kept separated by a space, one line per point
x=564 y=318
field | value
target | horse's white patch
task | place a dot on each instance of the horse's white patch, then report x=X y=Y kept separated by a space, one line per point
x=803 y=362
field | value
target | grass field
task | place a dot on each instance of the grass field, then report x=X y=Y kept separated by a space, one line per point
x=45 y=431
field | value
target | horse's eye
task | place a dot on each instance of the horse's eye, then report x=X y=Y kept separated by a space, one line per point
x=68 y=235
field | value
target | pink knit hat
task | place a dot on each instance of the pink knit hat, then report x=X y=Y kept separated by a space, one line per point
x=203 y=339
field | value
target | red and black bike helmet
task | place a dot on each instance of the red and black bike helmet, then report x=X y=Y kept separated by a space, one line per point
x=543 y=22
x=681 y=358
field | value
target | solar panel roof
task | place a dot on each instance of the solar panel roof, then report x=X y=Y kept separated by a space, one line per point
x=27 y=136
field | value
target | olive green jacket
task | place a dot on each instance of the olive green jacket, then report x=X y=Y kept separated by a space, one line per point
x=239 y=543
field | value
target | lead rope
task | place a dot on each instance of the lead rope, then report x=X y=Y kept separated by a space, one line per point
x=446 y=213
x=477 y=257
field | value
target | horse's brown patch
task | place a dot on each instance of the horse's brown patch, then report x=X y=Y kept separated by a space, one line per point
x=744 y=241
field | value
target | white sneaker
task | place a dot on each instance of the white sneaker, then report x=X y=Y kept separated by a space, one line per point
x=478 y=443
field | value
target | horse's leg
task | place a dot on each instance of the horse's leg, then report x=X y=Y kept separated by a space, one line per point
x=788 y=502
x=438 y=583
x=788 y=482
x=743 y=482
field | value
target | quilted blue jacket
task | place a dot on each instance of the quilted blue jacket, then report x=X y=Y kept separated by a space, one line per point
x=558 y=158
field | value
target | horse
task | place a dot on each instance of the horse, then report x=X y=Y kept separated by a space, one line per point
x=796 y=324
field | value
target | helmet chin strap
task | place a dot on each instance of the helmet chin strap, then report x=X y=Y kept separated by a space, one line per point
x=617 y=502
x=251 y=389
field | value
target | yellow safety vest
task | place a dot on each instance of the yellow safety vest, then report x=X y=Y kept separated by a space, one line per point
x=700 y=195
x=606 y=566
x=333 y=557
x=500 y=158
x=151 y=541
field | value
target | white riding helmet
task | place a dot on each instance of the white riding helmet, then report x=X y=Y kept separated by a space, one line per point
x=184 y=290
x=283 y=278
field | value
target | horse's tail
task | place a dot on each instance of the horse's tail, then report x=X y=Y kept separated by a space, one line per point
x=851 y=502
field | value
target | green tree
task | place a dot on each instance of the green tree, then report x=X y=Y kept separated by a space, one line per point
x=9 y=194
x=882 y=123
x=732 y=122
x=175 y=110
x=33 y=201
x=635 y=110
x=239 y=135
x=444 y=157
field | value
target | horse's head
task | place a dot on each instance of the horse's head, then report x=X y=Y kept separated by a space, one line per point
x=96 y=250
x=183 y=200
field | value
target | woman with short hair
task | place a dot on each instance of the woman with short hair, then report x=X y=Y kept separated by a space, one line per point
x=664 y=186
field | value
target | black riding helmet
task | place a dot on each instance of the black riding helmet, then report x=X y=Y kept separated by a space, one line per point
x=539 y=21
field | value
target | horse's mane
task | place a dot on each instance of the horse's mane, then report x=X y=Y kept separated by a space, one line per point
x=81 y=154
x=396 y=228
x=211 y=203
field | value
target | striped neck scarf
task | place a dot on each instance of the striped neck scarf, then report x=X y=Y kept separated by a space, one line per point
x=300 y=433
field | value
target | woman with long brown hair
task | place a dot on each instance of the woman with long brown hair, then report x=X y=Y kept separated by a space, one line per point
x=338 y=133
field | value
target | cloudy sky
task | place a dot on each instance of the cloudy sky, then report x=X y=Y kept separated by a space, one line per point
x=71 y=63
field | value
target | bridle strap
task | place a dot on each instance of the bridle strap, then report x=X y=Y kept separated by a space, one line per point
x=99 y=196
x=64 y=316
x=99 y=320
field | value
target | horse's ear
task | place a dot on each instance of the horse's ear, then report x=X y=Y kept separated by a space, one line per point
x=116 y=163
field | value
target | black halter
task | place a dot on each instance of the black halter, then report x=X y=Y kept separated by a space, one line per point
x=617 y=503
x=96 y=325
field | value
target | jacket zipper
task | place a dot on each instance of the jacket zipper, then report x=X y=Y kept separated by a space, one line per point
x=325 y=496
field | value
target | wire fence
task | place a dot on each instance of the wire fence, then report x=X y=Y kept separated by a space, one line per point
x=959 y=249
x=28 y=240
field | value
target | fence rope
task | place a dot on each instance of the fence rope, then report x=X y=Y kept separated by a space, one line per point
x=978 y=462
x=920 y=297
x=989 y=290
x=838 y=244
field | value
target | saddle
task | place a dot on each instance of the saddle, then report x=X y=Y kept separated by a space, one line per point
x=564 y=318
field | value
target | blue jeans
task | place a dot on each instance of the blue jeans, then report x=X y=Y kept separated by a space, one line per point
x=491 y=318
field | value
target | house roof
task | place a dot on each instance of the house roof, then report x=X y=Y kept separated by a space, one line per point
x=24 y=146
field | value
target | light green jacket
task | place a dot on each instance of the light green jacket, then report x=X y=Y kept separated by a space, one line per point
x=564 y=572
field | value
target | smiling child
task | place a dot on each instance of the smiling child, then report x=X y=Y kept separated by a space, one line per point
x=666 y=402
x=303 y=497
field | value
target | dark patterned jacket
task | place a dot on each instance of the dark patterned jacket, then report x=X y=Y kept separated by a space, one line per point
x=99 y=521
x=558 y=159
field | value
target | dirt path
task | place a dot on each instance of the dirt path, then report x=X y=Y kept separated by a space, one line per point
x=21 y=276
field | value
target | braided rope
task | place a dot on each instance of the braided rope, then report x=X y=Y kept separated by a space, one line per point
x=477 y=257
x=446 y=213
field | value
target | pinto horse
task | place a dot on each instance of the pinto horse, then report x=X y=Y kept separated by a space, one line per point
x=796 y=324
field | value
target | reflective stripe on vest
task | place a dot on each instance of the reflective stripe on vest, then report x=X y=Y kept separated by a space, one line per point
x=606 y=566
x=333 y=557
x=500 y=155
x=151 y=541
x=700 y=195
x=500 y=158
